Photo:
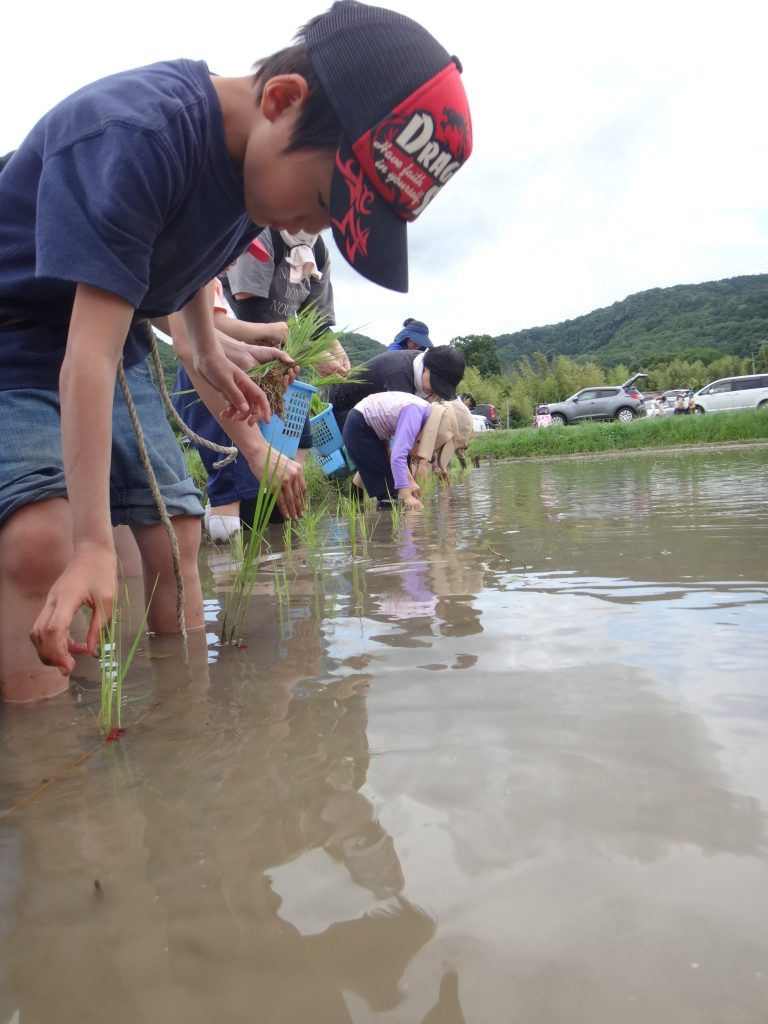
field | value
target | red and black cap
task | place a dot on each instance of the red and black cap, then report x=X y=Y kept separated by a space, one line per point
x=406 y=129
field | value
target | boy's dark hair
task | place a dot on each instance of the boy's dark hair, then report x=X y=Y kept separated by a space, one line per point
x=318 y=126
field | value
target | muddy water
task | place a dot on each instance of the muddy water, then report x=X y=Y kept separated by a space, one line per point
x=510 y=765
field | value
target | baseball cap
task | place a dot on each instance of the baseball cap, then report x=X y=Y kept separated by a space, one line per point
x=446 y=368
x=406 y=129
x=416 y=331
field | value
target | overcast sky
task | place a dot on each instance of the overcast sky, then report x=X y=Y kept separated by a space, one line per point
x=617 y=147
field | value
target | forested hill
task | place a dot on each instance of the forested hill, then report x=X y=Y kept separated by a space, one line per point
x=696 y=321
x=359 y=347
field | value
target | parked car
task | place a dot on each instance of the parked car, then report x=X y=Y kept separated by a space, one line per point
x=479 y=423
x=607 y=402
x=628 y=384
x=670 y=397
x=489 y=411
x=732 y=393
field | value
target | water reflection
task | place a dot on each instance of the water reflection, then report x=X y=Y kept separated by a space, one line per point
x=507 y=764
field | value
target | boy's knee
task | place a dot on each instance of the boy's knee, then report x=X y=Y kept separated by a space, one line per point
x=35 y=547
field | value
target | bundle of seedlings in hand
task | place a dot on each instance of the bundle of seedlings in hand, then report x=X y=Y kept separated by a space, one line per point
x=310 y=345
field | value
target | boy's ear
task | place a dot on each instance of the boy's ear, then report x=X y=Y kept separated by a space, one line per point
x=281 y=93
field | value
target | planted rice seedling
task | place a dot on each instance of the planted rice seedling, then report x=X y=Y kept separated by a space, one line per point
x=307 y=528
x=238 y=598
x=114 y=667
x=282 y=591
x=397 y=513
x=288 y=538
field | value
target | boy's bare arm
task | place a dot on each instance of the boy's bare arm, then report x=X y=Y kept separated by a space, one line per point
x=98 y=328
x=241 y=399
x=255 y=334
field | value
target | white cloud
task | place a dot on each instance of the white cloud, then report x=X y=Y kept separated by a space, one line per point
x=617 y=147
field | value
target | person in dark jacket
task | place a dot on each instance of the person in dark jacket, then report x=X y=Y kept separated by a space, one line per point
x=437 y=371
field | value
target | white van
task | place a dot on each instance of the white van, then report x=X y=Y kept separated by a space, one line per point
x=733 y=393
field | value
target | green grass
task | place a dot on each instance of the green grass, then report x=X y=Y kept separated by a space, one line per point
x=595 y=437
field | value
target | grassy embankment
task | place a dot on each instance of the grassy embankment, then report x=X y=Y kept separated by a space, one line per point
x=596 y=438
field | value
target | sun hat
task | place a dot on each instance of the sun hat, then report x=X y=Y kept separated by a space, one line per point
x=446 y=368
x=415 y=331
x=441 y=435
x=406 y=129
x=464 y=423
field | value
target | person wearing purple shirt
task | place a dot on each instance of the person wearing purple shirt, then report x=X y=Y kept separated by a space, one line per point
x=415 y=428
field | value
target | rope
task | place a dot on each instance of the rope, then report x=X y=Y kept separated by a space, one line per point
x=165 y=519
x=231 y=453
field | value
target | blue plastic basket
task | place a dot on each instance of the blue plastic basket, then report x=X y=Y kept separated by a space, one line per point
x=333 y=465
x=337 y=465
x=326 y=436
x=283 y=433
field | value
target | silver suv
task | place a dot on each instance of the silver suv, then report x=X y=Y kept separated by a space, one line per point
x=605 y=402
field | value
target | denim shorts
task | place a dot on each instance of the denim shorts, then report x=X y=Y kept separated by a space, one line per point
x=32 y=468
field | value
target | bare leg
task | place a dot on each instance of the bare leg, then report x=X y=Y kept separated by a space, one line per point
x=128 y=555
x=35 y=547
x=158 y=566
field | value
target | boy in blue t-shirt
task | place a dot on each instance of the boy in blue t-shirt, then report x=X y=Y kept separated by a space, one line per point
x=120 y=206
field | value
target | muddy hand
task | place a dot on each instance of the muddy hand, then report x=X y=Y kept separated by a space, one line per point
x=91 y=580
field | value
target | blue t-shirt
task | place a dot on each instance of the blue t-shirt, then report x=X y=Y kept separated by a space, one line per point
x=126 y=185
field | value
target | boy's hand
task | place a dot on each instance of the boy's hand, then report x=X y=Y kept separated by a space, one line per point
x=286 y=474
x=90 y=579
x=245 y=399
x=271 y=334
x=337 y=362
x=410 y=497
x=247 y=356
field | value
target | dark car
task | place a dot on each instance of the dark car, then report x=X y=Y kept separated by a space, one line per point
x=606 y=402
x=489 y=411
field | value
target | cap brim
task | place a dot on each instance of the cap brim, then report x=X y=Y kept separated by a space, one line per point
x=370 y=236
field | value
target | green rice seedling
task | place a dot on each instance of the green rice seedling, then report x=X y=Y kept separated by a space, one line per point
x=351 y=512
x=428 y=486
x=308 y=344
x=114 y=667
x=307 y=528
x=397 y=513
x=288 y=538
x=281 y=582
x=358 y=589
x=236 y=548
x=238 y=599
